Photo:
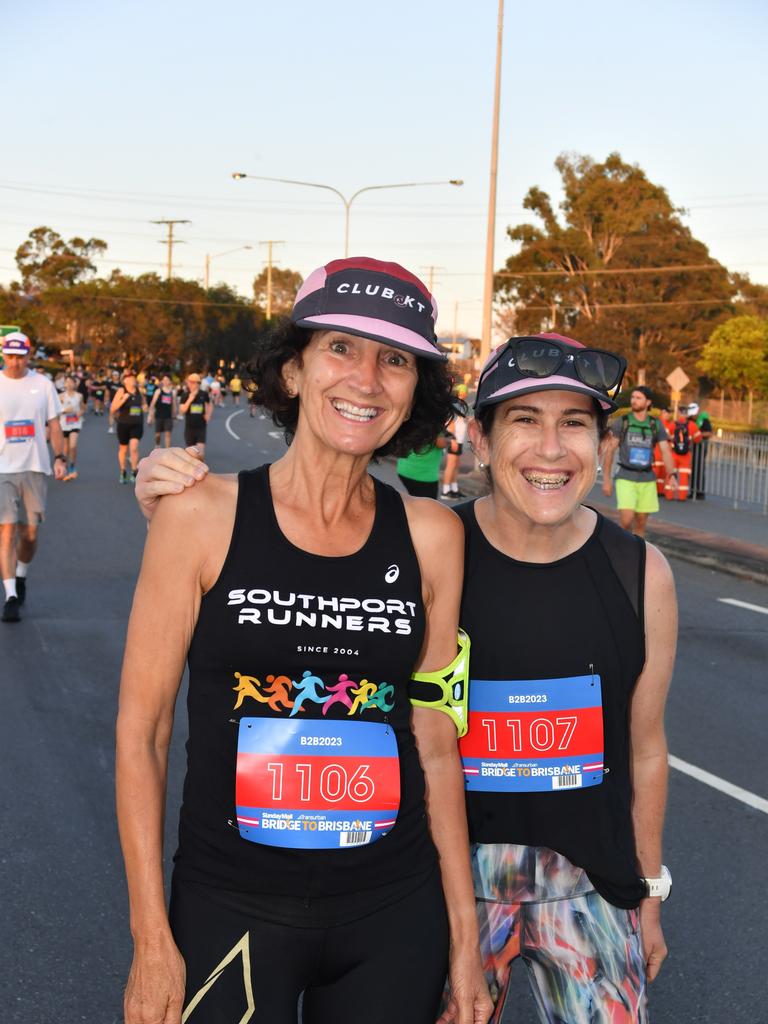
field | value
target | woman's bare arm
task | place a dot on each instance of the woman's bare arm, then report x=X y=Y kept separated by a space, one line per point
x=439 y=541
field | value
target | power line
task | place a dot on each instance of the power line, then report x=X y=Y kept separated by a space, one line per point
x=684 y=267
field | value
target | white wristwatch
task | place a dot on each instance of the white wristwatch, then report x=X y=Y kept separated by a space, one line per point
x=660 y=886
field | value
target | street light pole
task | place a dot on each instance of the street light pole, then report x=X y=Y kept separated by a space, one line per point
x=216 y=256
x=238 y=175
x=485 y=341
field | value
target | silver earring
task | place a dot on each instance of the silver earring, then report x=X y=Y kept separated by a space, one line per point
x=481 y=465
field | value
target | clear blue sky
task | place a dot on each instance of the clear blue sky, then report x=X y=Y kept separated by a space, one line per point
x=122 y=113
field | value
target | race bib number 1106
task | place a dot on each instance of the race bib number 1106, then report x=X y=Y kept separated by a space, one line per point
x=316 y=785
x=534 y=735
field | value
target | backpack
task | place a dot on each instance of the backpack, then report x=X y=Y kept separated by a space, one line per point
x=681 y=439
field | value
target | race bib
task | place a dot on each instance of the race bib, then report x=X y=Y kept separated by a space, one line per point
x=166 y=399
x=534 y=735
x=17 y=431
x=197 y=408
x=316 y=785
x=71 y=417
x=134 y=410
x=640 y=457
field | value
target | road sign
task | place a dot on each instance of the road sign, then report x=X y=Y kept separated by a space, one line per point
x=678 y=379
x=7 y=329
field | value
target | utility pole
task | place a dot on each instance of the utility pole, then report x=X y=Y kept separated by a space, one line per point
x=431 y=279
x=269 y=243
x=170 y=241
x=485 y=342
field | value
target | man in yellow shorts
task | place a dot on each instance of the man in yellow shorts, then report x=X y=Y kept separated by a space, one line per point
x=635 y=436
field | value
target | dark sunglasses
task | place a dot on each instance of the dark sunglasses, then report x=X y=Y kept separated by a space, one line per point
x=544 y=357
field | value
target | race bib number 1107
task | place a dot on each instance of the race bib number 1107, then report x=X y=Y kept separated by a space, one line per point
x=534 y=735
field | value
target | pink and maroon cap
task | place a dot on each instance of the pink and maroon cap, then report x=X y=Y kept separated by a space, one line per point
x=16 y=344
x=372 y=299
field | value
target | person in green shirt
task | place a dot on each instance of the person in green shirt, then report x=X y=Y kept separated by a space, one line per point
x=419 y=472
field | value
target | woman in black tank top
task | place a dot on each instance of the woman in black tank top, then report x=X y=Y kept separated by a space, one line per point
x=573 y=630
x=304 y=595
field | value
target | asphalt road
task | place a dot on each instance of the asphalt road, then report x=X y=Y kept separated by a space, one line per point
x=64 y=941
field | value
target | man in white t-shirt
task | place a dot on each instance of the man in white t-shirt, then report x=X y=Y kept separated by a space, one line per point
x=28 y=405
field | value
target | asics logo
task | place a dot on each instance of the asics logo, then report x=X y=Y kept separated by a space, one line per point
x=392 y=573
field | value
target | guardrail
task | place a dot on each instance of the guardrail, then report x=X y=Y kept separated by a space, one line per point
x=733 y=466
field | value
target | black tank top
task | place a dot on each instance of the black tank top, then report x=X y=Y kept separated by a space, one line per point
x=130 y=412
x=298 y=702
x=556 y=651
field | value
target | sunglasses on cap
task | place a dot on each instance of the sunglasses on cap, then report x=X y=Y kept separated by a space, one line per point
x=538 y=358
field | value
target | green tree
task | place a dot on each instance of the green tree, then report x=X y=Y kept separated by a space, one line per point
x=594 y=270
x=45 y=260
x=285 y=284
x=752 y=297
x=736 y=356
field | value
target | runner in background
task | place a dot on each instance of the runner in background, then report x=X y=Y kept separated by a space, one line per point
x=162 y=410
x=457 y=430
x=634 y=437
x=698 y=477
x=99 y=391
x=214 y=391
x=236 y=387
x=29 y=406
x=112 y=387
x=71 y=420
x=150 y=387
x=196 y=407
x=128 y=407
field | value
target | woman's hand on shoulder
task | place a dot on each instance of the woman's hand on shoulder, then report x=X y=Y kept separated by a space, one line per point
x=167 y=471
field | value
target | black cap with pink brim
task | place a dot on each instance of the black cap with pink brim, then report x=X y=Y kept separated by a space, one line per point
x=371 y=299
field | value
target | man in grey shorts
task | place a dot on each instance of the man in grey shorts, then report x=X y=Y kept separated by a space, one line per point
x=28 y=405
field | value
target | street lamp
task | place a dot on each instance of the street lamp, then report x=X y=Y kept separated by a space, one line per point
x=216 y=256
x=238 y=175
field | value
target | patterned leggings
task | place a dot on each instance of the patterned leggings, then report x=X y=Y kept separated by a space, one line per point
x=583 y=956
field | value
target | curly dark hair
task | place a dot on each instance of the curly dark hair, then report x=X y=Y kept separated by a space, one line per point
x=434 y=405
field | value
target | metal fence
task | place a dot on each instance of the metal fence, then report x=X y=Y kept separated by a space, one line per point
x=733 y=466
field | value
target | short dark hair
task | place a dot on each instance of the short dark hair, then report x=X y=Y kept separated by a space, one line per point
x=433 y=402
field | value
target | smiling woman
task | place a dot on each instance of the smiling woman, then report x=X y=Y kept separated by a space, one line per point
x=305 y=594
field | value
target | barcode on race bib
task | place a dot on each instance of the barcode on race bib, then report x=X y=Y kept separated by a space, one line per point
x=566 y=781
x=354 y=838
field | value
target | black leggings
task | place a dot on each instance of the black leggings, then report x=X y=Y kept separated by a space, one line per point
x=389 y=966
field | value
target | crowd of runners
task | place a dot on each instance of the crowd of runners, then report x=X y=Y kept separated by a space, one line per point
x=42 y=416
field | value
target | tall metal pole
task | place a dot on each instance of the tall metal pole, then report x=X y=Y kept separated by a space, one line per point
x=485 y=341
x=207 y=270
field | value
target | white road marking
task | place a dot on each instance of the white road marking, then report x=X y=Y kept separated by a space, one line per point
x=751 y=799
x=229 y=419
x=743 y=604
x=277 y=434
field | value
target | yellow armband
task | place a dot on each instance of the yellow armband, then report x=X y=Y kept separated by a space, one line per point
x=447 y=689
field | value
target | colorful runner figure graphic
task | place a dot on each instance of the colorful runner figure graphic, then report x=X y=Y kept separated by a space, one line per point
x=306 y=689
x=340 y=693
x=380 y=698
x=279 y=690
x=248 y=687
x=362 y=695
